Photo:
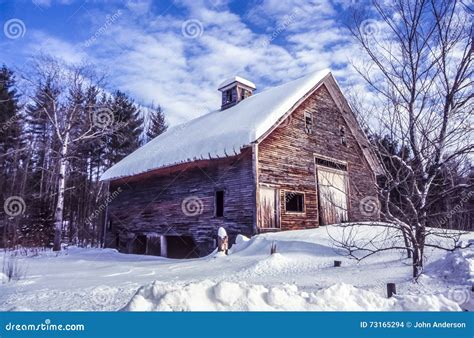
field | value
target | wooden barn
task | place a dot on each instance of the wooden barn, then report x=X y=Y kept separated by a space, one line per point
x=290 y=157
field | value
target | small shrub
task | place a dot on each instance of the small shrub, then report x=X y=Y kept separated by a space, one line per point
x=12 y=269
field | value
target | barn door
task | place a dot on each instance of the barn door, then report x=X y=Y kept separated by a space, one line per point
x=332 y=187
x=267 y=209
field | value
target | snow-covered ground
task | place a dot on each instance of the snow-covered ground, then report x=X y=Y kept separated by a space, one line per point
x=300 y=276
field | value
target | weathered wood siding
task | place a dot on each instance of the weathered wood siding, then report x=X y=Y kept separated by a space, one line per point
x=154 y=203
x=286 y=160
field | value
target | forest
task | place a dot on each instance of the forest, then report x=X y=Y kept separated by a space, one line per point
x=60 y=129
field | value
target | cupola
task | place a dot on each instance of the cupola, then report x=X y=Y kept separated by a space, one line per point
x=235 y=90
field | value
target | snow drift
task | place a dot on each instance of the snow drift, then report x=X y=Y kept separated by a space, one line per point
x=456 y=266
x=239 y=296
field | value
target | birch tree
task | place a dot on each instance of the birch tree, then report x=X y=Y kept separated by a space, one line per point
x=64 y=117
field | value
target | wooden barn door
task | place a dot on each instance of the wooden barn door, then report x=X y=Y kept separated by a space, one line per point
x=332 y=188
x=267 y=209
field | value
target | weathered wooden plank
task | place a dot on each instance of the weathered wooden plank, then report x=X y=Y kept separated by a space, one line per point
x=182 y=202
x=286 y=159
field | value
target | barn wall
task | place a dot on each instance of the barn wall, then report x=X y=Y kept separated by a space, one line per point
x=286 y=160
x=154 y=204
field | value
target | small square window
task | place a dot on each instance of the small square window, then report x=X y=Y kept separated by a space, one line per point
x=294 y=201
x=308 y=122
x=219 y=203
x=342 y=132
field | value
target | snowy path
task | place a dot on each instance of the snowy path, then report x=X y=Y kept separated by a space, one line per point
x=98 y=279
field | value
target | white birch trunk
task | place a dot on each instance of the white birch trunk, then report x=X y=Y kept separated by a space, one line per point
x=58 y=214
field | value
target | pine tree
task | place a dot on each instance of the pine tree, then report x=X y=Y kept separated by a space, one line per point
x=41 y=178
x=10 y=130
x=10 y=151
x=157 y=123
x=128 y=122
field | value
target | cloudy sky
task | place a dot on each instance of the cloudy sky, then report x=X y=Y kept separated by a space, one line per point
x=175 y=53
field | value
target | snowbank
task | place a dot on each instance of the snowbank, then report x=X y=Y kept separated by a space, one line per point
x=3 y=278
x=456 y=266
x=239 y=296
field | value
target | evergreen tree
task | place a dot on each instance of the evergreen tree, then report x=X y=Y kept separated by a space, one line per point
x=10 y=152
x=42 y=164
x=157 y=123
x=128 y=127
x=10 y=130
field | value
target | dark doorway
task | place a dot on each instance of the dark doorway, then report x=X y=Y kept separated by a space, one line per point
x=139 y=245
x=181 y=247
x=153 y=246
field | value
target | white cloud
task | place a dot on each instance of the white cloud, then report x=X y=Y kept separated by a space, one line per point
x=147 y=55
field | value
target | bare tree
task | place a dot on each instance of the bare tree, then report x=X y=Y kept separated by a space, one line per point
x=418 y=60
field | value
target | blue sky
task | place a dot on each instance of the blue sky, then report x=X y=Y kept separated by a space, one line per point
x=175 y=53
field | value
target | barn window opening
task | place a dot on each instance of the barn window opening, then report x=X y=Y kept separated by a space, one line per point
x=228 y=96
x=219 y=202
x=243 y=94
x=294 y=201
x=342 y=132
x=308 y=122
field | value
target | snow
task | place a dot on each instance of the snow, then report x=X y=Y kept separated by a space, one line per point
x=240 y=296
x=3 y=278
x=221 y=232
x=237 y=79
x=456 y=266
x=300 y=276
x=241 y=239
x=219 y=133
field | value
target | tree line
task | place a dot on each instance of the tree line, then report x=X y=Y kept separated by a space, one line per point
x=59 y=131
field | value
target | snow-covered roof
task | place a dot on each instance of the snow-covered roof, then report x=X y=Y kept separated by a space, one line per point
x=219 y=133
x=237 y=79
